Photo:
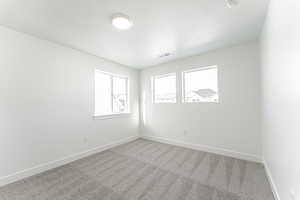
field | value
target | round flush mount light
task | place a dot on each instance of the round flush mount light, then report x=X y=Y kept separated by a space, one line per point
x=121 y=21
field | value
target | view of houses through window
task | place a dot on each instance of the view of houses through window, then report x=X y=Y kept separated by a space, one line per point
x=111 y=94
x=198 y=85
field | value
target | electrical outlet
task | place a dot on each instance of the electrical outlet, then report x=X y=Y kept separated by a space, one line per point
x=293 y=194
x=85 y=140
x=184 y=132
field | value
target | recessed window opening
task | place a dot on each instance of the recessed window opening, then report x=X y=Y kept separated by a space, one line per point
x=200 y=85
x=111 y=94
x=164 y=88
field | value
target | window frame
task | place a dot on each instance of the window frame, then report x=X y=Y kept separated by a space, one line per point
x=195 y=70
x=153 y=78
x=112 y=114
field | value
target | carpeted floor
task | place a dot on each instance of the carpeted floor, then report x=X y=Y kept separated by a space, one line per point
x=147 y=170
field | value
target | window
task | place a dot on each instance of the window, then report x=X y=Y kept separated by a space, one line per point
x=200 y=85
x=164 y=88
x=111 y=94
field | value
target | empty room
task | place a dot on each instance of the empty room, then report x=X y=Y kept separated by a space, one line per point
x=149 y=100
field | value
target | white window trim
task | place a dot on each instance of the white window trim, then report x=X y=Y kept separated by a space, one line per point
x=153 y=87
x=114 y=115
x=194 y=70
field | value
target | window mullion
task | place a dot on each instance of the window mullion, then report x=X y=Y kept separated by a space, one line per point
x=153 y=90
x=183 y=86
x=112 y=93
x=126 y=90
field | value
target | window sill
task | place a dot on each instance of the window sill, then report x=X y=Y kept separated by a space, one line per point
x=201 y=102
x=165 y=103
x=112 y=116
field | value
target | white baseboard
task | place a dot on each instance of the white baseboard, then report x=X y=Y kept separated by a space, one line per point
x=271 y=181
x=205 y=148
x=53 y=164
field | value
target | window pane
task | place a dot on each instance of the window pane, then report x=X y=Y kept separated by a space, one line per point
x=165 y=89
x=120 y=103
x=102 y=94
x=111 y=94
x=201 y=85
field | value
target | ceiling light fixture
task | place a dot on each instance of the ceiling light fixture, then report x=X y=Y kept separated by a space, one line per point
x=121 y=21
x=231 y=3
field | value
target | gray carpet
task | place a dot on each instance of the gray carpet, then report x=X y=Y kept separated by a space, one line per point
x=147 y=170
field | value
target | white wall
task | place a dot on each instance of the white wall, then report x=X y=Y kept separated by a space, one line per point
x=280 y=56
x=46 y=103
x=233 y=124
